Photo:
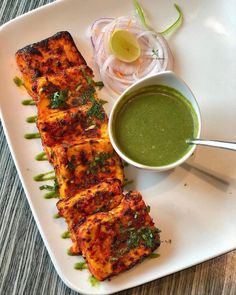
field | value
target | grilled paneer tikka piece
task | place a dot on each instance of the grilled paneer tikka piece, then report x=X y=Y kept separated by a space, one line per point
x=114 y=241
x=81 y=166
x=113 y=231
x=101 y=197
x=49 y=56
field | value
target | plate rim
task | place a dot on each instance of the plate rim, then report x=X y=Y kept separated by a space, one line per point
x=32 y=207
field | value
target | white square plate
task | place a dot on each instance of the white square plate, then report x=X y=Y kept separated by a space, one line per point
x=194 y=205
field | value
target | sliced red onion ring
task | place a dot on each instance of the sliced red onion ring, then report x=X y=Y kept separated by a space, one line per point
x=118 y=75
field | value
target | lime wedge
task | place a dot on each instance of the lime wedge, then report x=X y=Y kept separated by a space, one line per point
x=124 y=46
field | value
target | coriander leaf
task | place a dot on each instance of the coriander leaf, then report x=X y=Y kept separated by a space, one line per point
x=99 y=161
x=127 y=182
x=56 y=185
x=96 y=110
x=58 y=99
x=86 y=76
x=148 y=237
x=133 y=240
x=99 y=84
x=88 y=94
x=71 y=163
x=102 y=101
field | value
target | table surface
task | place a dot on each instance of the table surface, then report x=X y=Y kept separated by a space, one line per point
x=26 y=267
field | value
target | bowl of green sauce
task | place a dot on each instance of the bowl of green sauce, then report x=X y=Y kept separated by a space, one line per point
x=152 y=120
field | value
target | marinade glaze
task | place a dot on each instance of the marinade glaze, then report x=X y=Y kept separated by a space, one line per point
x=112 y=230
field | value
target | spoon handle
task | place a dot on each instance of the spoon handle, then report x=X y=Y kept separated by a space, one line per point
x=214 y=143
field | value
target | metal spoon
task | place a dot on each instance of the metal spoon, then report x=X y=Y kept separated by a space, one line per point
x=214 y=143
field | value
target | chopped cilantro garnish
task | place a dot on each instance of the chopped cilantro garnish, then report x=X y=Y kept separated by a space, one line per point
x=122 y=228
x=96 y=109
x=102 y=101
x=102 y=157
x=148 y=237
x=58 y=99
x=56 y=185
x=127 y=182
x=86 y=76
x=99 y=84
x=134 y=237
x=99 y=161
x=88 y=93
x=71 y=163
x=133 y=240
x=125 y=164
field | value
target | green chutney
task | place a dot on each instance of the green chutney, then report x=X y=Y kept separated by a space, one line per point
x=152 y=125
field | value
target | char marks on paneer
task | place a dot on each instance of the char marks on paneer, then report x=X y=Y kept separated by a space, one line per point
x=111 y=230
x=100 y=197
x=49 y=56
x=116 y=240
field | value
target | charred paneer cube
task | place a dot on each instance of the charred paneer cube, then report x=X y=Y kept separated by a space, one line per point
x=83 y=165
x=69 y=88
x=114 y=241
x=71 y=126
x=49 y=56
x=98 y=198
x=69 y=109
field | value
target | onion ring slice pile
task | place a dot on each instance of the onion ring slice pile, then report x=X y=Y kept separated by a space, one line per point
x=118 y=75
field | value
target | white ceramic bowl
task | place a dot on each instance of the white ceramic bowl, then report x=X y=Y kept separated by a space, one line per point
x=167 y=78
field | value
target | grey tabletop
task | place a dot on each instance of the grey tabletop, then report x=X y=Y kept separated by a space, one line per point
x=26 y=267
